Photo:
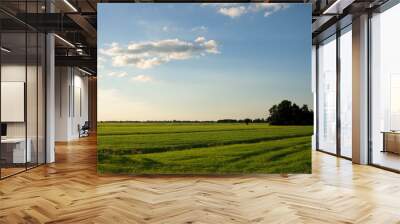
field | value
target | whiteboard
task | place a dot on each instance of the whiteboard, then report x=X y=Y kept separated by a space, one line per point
x=12 y=101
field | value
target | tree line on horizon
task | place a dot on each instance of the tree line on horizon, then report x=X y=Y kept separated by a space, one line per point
x=284 y=113
x=288 y=113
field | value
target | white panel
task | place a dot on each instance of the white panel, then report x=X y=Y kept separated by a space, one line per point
x=12 y=101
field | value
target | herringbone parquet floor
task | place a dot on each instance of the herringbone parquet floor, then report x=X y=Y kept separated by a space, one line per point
x=70 y=191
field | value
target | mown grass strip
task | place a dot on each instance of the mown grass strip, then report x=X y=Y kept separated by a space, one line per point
x=278 y=156
x=110 y=151
x=160 y=128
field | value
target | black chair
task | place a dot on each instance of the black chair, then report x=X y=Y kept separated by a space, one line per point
x=84 y=130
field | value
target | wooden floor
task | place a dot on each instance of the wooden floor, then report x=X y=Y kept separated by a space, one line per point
x=5 y=172
x=387 y=159
x=70 y=191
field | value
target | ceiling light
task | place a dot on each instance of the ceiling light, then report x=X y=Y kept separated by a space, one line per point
x=5 y=50
x=79 y=51
x=328 y=10
x=84 y=71
x=65 y=41
x=338 y=6
x=70 y=5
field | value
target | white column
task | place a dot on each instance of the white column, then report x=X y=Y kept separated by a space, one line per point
x=50 y=99
x=360 y=90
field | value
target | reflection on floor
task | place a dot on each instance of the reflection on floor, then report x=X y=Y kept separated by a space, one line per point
x=386 y=159
x=70 y=191
x=9 y=170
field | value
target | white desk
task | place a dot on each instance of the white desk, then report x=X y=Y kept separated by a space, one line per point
x=18 y=144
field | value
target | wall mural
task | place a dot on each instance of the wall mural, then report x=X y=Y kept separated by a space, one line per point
x=204 y=88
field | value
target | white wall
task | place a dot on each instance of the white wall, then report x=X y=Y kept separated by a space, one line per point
x=12 y=73
x=62 y=82
x=33 y=126
x=71 y=94
x=80 y=109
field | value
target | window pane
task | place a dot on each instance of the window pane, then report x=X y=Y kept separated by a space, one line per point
x=31 y=97
x=41 y=99
x=14 y=153
x=346 y=93
x=327 y=96
x=385 y=93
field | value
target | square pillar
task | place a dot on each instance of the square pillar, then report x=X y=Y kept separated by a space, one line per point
x=360 y=89
x=50 y=98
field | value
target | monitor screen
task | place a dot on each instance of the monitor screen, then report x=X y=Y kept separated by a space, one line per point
x=3 y=129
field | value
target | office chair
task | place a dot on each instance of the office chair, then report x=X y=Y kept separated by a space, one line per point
x=84 y=130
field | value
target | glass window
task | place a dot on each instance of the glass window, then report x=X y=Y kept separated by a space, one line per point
x=346 y=93
x=22 y=92
x=41 y=85
x=385 y=89
x=14 y=150
x=31 y=97
x=327 y=95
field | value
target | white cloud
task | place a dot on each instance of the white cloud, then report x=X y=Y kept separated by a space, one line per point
x=234 y=10
x=111 y=50
x=268 y=8
x=211 y=46
x=148 y=54
x=165 y=28
x=220 y=4
x=100 y=62
x=199 y=29
x=200 y=40
x=117 y=74
x=141 y=78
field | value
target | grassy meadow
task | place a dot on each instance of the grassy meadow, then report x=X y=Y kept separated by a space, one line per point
x=203 y=148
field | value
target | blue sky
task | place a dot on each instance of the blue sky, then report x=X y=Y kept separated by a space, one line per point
x=201 y=61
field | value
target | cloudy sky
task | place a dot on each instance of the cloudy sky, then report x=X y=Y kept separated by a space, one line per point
x=201 y=61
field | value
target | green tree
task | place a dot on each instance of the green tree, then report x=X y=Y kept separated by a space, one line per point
x=288 y=113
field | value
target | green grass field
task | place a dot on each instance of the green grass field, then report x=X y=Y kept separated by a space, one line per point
x=203 y=148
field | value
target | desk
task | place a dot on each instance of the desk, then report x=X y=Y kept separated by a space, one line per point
x=391 y=141
x=15 y=148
